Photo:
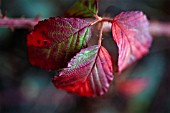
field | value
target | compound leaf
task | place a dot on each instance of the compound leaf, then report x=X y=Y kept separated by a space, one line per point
x=54 y=41
x=88 y=73
x=83 y=9
x=130 y=32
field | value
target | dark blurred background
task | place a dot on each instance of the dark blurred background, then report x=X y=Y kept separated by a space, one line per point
x=143 y=87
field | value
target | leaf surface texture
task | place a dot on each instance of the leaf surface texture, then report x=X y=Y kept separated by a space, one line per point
x=89 y=73
x=130 y=31
x=83 y=9
x=54 y=41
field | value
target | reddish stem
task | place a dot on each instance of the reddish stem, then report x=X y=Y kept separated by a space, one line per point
x=100 y=35
x=100 y=19
x=160 y=28
x=156 y=28
x=18 y=23
x=107 y=20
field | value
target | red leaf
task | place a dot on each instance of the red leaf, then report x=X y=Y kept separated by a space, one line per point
x=55 y=41
x=88 y=73
x=132 y=87
x=130 y=32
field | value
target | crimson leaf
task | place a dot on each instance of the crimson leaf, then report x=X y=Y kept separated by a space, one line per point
x=55 y=41
x=132 y=87
x=130 y=32
x=83 y=9
x=88 y=73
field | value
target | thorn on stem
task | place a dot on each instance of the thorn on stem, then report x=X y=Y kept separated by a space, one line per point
x=4 y=15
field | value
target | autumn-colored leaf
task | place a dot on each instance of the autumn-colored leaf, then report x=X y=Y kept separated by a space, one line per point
x=132 y=87
x=130 y=32
x=54 y=41
x=83 y=9
x=88 y=73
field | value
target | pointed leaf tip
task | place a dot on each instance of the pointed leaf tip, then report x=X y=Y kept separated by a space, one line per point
x=130 y=31
x=89 y=73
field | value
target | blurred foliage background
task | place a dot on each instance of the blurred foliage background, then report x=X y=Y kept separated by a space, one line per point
x=28 y=89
